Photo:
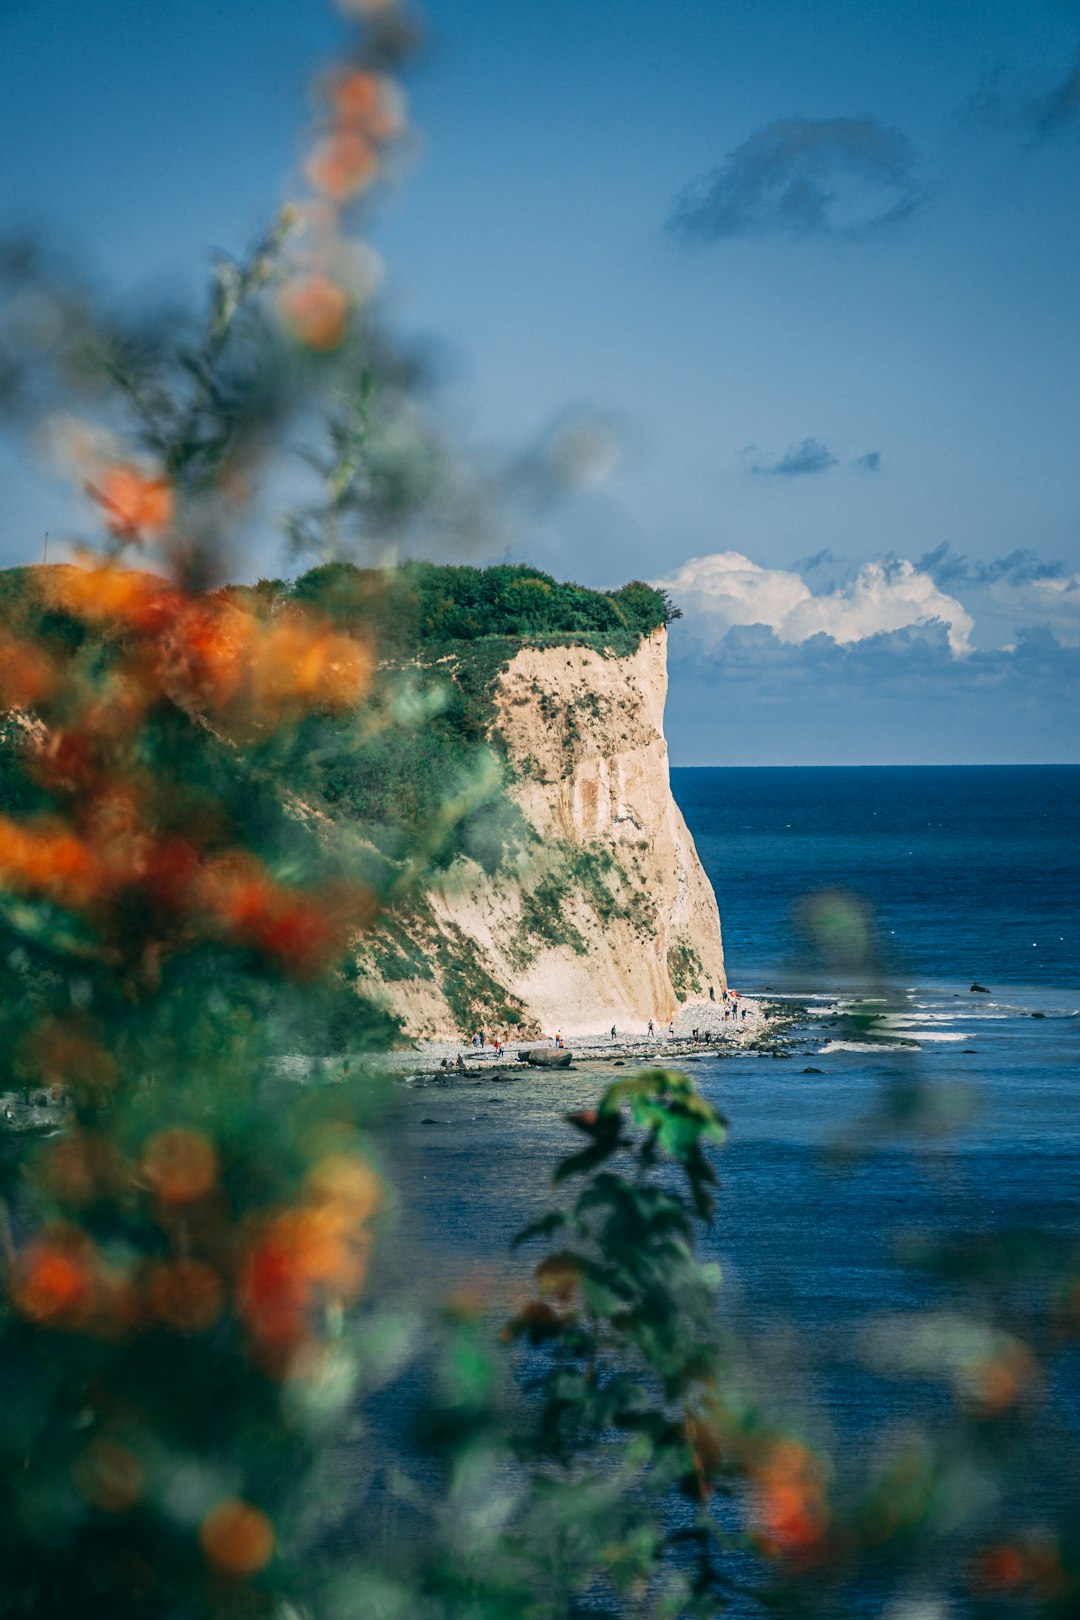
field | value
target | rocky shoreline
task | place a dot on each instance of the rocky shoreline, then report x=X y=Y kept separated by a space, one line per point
x=763 y=1028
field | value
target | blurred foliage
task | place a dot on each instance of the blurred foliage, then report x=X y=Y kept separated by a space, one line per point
x=207 y=793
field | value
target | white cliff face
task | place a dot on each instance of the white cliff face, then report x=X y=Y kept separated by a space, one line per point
x=605 y=915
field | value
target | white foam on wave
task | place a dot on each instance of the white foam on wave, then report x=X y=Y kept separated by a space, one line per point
x=925 y=1015
x=937 y=1035
x=859 y=1046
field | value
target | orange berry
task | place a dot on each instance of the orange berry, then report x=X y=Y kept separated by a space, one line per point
x=346 y=1183
x=47 y=859
x=134 y=506
x=295 y=930
x=27 y=674
x=237 y=1538
x=368 y=102
x=274 y=1292
x=56 y=1284
x=206 y=653
x=791 y=1498
x=180 y=1165
x=316 y=311
x=1002 y=1566
x=342 y=165
x=1000 y=1380
x=303 y=664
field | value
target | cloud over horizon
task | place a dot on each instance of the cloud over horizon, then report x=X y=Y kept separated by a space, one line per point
x=840 y=177
x=900 y=697
x=725 y=590
x=843 y=663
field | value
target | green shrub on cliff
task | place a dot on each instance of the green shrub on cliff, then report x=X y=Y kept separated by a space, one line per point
x=433 y=605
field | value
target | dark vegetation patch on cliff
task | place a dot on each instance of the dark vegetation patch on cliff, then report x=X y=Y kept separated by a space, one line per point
x=414 y=945
x=578 y=876
x=684 y=967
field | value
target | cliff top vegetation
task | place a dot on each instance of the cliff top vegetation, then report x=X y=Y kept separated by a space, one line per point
x=426 y=605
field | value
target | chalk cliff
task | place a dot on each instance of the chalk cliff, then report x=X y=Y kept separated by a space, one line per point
x=601 y=913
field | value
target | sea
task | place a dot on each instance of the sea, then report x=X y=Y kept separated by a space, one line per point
x=909 y=1107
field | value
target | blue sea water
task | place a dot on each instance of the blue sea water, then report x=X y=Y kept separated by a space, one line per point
x=966 y=875
x=973 y=872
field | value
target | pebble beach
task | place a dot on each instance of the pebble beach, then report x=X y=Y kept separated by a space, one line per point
x=707 y=1018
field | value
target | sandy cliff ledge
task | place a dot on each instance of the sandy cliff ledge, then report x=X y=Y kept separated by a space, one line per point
x=603 y=914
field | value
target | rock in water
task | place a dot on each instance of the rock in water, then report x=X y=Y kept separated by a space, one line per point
x=978 y=989
x=547 y=1057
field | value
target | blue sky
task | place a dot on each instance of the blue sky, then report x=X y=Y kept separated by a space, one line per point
x=814 y=267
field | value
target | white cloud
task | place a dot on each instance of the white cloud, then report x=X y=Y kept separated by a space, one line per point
x=727 y=589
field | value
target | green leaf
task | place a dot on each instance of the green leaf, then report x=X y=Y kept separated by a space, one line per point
x=544 y=1226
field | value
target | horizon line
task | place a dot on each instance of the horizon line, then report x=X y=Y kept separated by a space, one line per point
x=887 y=765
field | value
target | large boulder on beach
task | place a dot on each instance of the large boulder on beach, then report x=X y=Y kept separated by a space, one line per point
x=547 y=1057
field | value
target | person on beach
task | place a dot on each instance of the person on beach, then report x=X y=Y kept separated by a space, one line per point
x=483 y=1038
x=650 y=1031
x=712 y=993
x=613 y=1031
x=476 y=1037
x=671 y=1030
